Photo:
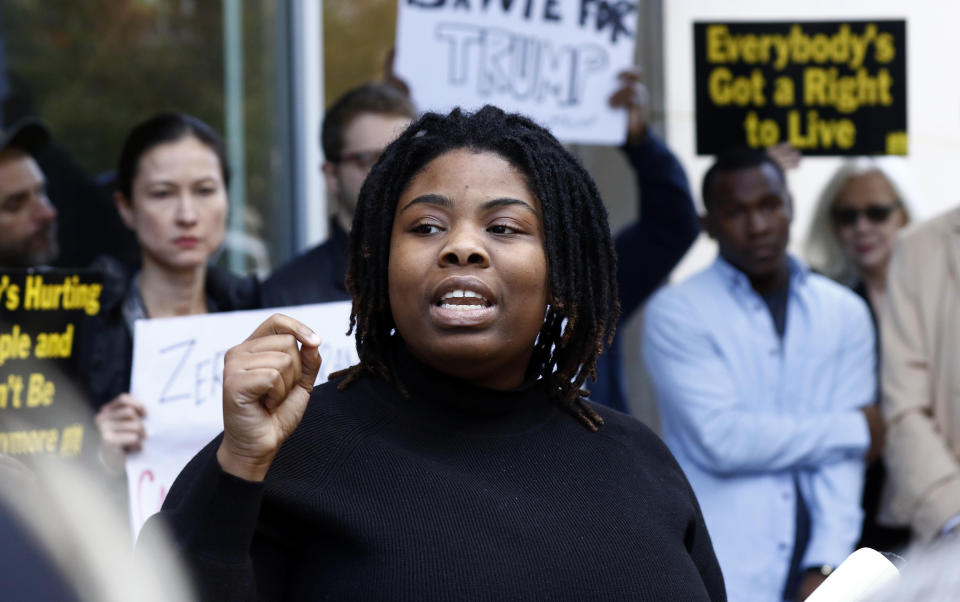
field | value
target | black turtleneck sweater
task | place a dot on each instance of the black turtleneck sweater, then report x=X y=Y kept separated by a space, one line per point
x=458 y=493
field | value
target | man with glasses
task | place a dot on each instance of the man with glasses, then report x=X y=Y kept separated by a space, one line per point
x=356 y=129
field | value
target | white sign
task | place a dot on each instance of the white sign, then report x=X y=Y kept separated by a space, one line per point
x=178 y=375
x=555 y=61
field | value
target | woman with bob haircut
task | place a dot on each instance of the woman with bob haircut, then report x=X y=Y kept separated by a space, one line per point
x=856 y=221
x=460 y=458
x=171 y=190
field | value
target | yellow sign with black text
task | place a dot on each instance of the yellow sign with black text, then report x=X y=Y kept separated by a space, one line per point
x=43 y=411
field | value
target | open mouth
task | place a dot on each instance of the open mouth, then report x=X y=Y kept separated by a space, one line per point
x=463 y=300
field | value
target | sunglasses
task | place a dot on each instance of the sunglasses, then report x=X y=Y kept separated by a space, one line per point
x=875 y=214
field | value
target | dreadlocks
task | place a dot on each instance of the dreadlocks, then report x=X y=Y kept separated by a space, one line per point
x=581 y=259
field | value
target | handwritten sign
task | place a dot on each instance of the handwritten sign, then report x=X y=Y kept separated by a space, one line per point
x=827 y=88
x=178 y=376
x=43 y=412
x=555 y=61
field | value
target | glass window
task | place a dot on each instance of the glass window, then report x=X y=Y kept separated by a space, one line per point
x=367 y=28
x=91 y=70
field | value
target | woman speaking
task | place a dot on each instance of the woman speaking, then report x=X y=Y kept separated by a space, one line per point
x=460 y=459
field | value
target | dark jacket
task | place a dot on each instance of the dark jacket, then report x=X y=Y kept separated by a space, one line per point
x=875 y=535
x=316 y=276
x=648 y=249
x=106 y=343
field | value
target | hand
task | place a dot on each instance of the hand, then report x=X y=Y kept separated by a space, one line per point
x=633 y=96
x=120 y=423
x=267 y=382
x=878 y=431
x=810 y=581
x=786 y=156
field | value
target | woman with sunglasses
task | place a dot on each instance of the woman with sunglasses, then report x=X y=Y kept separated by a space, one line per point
x=855 y=224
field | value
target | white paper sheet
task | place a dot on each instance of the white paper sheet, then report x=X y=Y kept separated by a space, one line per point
x=178 y=373
x=555 y=61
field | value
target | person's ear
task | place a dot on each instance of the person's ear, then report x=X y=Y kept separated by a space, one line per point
x=788 y=204
x=124 y=208
x=329 y=170
x=706 y=223
x=902 y=217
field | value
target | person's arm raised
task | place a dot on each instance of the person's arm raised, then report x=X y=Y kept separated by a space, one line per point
x=667 y=223
x=267 y=381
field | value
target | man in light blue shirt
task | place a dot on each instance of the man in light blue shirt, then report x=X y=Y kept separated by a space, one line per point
x=765 y=378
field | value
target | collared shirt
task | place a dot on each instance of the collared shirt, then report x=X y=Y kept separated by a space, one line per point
x=747 y=414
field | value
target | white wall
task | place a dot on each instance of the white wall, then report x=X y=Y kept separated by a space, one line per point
x=933 y=97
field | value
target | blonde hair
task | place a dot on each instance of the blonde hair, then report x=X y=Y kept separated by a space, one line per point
x=822 y=249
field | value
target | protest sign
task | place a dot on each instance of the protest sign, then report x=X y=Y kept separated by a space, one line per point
x=178 y=376
x=555 y=61
x=43 y=412
x=827 y=88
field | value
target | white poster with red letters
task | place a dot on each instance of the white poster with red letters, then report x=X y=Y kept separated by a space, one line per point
x=178 y=376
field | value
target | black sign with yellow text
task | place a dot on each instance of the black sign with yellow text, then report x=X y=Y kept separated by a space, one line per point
x=43 y=412
x=827 y=88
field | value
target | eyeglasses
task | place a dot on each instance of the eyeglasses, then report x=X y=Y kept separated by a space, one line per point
x=362 y=159
x=875 y=214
